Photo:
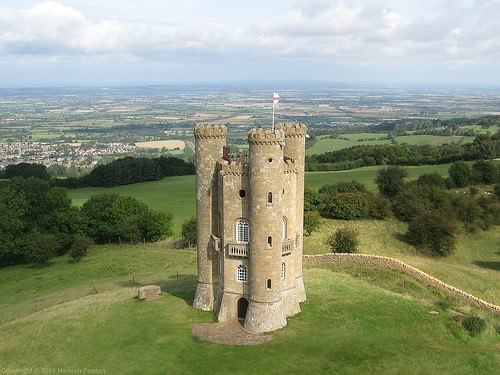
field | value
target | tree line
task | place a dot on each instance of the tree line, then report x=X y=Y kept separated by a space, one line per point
x=434 y=207
x=39 y=222
x=483 y=147
x=128 y=170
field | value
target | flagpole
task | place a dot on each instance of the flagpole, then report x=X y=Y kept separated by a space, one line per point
x=273 y=115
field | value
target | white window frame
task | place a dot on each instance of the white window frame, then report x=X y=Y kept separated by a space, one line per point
x=242 y=273
x=242 y=231
x=284 y=228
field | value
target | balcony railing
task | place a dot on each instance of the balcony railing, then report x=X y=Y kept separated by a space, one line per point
x=287 y=247
x=237 y=249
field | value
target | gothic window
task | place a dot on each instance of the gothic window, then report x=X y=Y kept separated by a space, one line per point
x=269 y=241
x=270 y=198
x=268 y=283
x=242 y=274
x=284 y=228
x=282 y=271
x=242 y=231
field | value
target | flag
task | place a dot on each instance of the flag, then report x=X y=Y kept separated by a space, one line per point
x=276 y=98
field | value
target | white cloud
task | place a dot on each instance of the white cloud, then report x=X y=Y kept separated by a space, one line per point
x=361 y=32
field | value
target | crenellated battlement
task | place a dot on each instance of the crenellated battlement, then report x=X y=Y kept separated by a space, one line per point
x=293 y=130
x=265 y=136
x=204 y=131
x=234 y=167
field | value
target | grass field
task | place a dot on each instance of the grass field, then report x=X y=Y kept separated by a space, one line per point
x=176 y=195
x=52 y=318
x=474 y=266
x=435 y=140
x=325 y=144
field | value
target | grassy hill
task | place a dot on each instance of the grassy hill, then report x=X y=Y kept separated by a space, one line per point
x=176 y=195
x=52 y=317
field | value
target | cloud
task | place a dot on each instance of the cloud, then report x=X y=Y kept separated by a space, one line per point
x=356 y=32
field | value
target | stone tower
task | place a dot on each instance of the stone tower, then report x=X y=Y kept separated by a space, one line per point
x=250 y=216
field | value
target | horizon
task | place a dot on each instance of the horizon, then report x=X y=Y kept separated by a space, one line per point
x=76 y=43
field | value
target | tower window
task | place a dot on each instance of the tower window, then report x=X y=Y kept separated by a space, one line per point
x=268 y=283
x=282 y=274
x=242 y=231
x=284 y=229
x=269 y=198
x=269 y=241
x=242 y=193
x=242 y=274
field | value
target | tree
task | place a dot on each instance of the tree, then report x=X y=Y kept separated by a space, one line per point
x=460 y=173
x=312 y=200
x=432 y=231
x=311 y=222
x=347 y=206
x=390 y=181
x=188 y=231
x=111 y=217
x=79 y=247
x=344 y=240
x=26 y=170
x=484 y=172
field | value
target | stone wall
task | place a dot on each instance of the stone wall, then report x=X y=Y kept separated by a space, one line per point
x=394 y=264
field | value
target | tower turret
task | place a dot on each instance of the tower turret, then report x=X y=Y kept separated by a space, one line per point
x=209 y=143
x=266 y=173
x=295 y=136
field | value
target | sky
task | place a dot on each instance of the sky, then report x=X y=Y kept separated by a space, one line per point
x=133 y=42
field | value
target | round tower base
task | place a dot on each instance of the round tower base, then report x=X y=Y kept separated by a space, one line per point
x=301 y=290
x=264 y=316
x=290 y=302
x=204 y=297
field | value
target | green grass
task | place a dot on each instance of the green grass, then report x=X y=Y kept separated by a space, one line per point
x=435 y=140
x=473 y=267
x=348 y=324
x=323 y=144
x=367 y=175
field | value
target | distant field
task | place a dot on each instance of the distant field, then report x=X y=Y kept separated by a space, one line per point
x=168 y=144
x=432 y=139
x=176 y=195
x=325 y=144
x=367 y=175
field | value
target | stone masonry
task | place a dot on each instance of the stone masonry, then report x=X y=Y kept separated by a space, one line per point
x=250 y=216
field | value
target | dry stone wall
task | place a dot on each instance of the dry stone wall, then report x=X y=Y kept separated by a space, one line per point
x=394 y=264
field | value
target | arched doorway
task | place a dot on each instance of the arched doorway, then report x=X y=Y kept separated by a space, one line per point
x=242 y=308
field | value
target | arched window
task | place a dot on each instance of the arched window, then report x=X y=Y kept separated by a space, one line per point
x=268 y=283
x=269 y=241
x=270 y=198
x=283 y=267
x=242 y=274
x=284 y=229
x=242 y=231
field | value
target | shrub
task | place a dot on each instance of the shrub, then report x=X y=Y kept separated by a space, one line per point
x=311 y=222
x=347 y=206
x=312 y=200
x=474 y=325
x=344 y=240
x=79 y=247
x=380 y=207
x=342 y=187
x=390 y=181
x=431 y=179
x=484 y=172
x=432 y=231
x=189 y=232
x=39 y=248
x=417 y=199
x=460 y=173
x=496 y=191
